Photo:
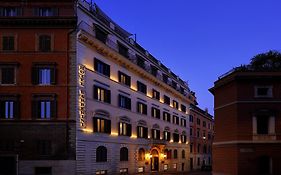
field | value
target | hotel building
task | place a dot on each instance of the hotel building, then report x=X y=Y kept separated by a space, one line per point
x=35 y=134
x=132 y=111
x=201 y=137
x=248 y=121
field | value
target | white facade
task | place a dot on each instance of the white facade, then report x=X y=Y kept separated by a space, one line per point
x=89 y=48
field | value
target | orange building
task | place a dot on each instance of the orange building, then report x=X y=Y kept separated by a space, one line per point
x=248 y=122
x=35 y=126
x=201 y=138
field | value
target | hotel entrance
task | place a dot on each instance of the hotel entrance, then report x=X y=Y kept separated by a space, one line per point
x=154 y=160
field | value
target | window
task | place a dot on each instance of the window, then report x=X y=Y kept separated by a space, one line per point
x=262 y=124
x=168 y=153
x=153 y=70
x=175 y=119
x=198 y=132
x=10 y=11
x=141 y=108
x=205 y=149
x=183 y=138
x=263 y=91
x=174 y=84
x=198 y=121
x=166 y=116
x=209 y=126
x=125 y=129
x=167 y=135
x=8 y=43
x=140 y=62
x=175 y=154
x=183 y=122
x=209 y=136
x=175 y=104
x=183 y=108
x=101 y=154
x=45 y=43
x=123 y=171
x=102 y=94
x=44 y=106
x=9 y=107
x=142 y=132
x=176 y=137
x=101 y=34
x=101 y=67
x=44 y=74
x=46 y=11
x=44 y=147
x=191 y=118
x=191 y=131
x=198 y=161
x=141 y=87
x=155 y=134
x=124 y=154
x=141 y=154
x=123 y=50
x=204 y=124
x=198 y=148
x=165 y=78
x=155 y=94
x=43 y=170
x=183 y=154
x=102 y=125
x=7 y=75
x=140 y=169
x=155 y=112
x=124 y=79
x=191 y=147
x=166 y=100
x=124 y=102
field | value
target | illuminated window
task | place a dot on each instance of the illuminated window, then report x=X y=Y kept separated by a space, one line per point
x=167 y=116
x=44 y=74
x=141 y=154
x=155 y=94
x=155 y=134
x=140 y=169
x=102 y=94
x=103 y=172
x=44 y=106
x=102 y=125
x=167 y=135
x=125 y=129
x=183 y=138
x=175 y=104
x=45 y=11
x=141 y=108
x=142 y=132
x=10 y=11
x=175 y=119
x=183 y=122
x=155 y=112
x=124 y=79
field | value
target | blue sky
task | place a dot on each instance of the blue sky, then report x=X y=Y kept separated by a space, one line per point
x=200 y=40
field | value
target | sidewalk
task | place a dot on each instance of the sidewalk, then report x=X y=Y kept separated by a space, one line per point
x=182 y=173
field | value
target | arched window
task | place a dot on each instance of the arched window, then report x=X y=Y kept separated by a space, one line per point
x=141 y=154
x=101 y=154
x=183 y=154
x=124 y=154
x=175 y=154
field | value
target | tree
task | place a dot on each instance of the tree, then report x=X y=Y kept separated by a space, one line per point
x=269 y=60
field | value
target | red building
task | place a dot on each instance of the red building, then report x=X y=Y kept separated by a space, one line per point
x=248 y=121
x=201 y=137
x=35 y=128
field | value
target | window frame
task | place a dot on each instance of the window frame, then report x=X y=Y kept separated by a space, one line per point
x=103 y=96
x=8 y=65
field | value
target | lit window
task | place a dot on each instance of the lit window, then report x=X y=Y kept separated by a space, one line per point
x=142 y=132
x=45 y=109
x=167 y=136
x=124 y=79
x=125 y=129
x=141 y=108
x=102 y=94
x=102 y=125
x=155 y=134
x=9 y=109
x=45 y=76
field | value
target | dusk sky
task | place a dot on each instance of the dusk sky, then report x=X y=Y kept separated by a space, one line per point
x=200 y=40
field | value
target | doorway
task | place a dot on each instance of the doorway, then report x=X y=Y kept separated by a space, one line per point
x=154 y=160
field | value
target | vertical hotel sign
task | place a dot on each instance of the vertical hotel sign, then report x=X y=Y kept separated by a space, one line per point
x=82 y=95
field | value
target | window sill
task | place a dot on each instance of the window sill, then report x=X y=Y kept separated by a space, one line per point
x=264 y=137
x=8 y=84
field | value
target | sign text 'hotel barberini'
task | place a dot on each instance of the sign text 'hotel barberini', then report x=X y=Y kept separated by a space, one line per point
x=82 y=95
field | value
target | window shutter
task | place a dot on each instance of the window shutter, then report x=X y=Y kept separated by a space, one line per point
x=119 y=100
x=145 y=132
x=96 y=64
x=138 y=134
x=128 y=103
x=145 y=109
x=2 y=109
x=128 y=80
x=53 y=108
x=35 y=109
x=119 y=76
x=53 y=76
x=119 y=131
x=108 y=126
x=158 y=134
x=129 y=127
x=16 y=109
x=35 y=76
x=108 y=96
x=95 y=124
